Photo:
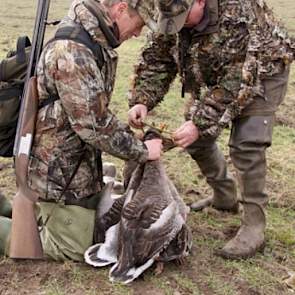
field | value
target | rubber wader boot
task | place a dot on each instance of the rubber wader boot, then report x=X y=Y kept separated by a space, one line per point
x=250 y=237
x=5 y=207
x=214 y=167
x=222 y=204
x=5 y=227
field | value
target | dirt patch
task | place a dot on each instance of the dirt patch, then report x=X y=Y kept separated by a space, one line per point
x=41 y=277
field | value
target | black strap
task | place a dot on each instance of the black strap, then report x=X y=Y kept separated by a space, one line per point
x=51 y=99
x=99 y=167
x=21 y=45
x=8 y=93
x=20 y=56
x=78 y=34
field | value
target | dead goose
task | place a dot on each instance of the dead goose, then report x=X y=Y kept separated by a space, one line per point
x=151 y=228
x=151 y=218
x=146 y=225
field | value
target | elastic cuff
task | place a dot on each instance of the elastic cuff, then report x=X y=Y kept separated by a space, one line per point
x=139 y=98
x=144 y=156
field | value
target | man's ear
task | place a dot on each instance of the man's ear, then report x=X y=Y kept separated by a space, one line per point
x=202 y=3
x=122 y=6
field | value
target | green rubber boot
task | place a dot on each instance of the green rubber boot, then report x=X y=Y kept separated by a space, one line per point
x=5 y=207
x=5 y=227
x=250 y=237
x=213 y=165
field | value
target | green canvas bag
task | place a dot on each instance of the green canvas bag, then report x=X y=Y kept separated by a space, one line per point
x=12 y=75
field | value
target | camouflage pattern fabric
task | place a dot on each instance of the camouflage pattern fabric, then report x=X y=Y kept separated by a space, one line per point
x=81 y=115
x=222 y=62
x=146 y=9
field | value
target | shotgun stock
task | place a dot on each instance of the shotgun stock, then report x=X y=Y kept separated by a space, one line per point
x=25 y=241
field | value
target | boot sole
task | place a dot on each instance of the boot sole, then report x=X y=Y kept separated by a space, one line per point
x=231 y=256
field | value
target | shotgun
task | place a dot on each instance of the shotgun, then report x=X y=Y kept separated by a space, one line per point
x=25 y=241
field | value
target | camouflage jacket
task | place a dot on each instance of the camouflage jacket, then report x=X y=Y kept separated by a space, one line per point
x=79 y=123
x=222 y=62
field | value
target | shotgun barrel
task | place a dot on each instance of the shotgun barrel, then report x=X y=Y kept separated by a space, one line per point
x=36 y=48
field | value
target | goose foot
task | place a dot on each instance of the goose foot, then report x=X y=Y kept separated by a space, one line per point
x=159 y=268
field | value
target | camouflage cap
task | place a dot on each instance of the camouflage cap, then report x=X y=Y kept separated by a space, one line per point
x=172 y=15
x=146 y=9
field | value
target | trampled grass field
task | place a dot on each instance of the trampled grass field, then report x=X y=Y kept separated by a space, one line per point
x=202 y=273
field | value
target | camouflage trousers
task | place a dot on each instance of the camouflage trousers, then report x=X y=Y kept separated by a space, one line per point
x=251 y=134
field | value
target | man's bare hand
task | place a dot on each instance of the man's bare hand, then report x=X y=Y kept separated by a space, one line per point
x=154 y=147
x=186 y=134
x=137 y=115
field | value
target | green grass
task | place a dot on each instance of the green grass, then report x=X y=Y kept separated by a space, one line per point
x=203 y=272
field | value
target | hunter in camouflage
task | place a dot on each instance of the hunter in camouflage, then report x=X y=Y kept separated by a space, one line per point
x=72 y=130
x=233 y=58
x=81 y=115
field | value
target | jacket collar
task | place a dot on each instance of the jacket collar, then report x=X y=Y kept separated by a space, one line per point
x=101 y=29
x=209 y=23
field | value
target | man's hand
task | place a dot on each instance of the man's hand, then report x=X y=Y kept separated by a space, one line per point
x=137 y=115
x=186 y=134
x=154 y=147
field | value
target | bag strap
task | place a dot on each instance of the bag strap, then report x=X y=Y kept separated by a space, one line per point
x=51 y=99
x=8 y=93
x=20 y=55
x=78 y=34
x=21 y=45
